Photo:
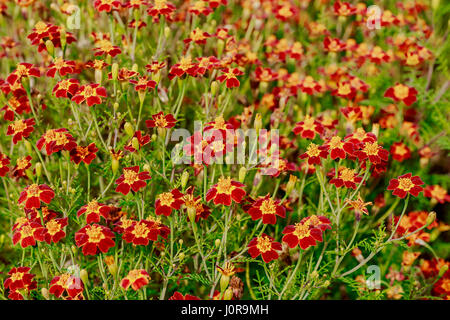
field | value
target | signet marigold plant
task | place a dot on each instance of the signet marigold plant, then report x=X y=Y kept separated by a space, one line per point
x=224 y=150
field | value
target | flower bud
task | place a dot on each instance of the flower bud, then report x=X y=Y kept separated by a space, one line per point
x=242 y=174
x=114 y=71
x=135 y=143
x=184 y=179
x=28 y=146
x=38 y=168
x=228 y=295
x=224 y=281
x=98 y=76
x=44 y=292
x=63 y=37
x=115 y=106
x=114 y=165
x=146 y=167
x=443 y=270
x=50 y=47
x=134 y=67
x=182 y=256
x=258 y=123
x=192 y=213
x=129 y=129
x=214 y=87
x=167 y=32
x=431 y=217
x=84 y=276
x=217 y=243
x=291 y=184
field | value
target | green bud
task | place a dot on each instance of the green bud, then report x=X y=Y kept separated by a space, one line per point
x=115 y=71
x=50 y=47
x=129 y=129
x=184 y=179
x=242 y=174
x=38 y=168
x=84 y=276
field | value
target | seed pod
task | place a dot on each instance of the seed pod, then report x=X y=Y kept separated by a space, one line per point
x=28 y=146
x=184 y=179
x=114 y=71
x=242 y=174
x=228 y=295
x=431 y=217
x=114 y=165
x=214 y=87
x=50 y=47
x=167 y=32
x=217 y=243
x=129 y=129
x=84 y=276
x=224 y=281
x=98 y=76
x=258 y=123
x=38 y=169
x=135 y=143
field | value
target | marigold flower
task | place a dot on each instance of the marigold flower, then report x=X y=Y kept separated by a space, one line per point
x=308 y=128
x=14 y=106
x=198 y=36
x=143 y=231
x=4 y=162
x=405 y=184
x=142 y=141
x=53 y=231
x=359 y=205
x=264 y=246
x=66 y=88
x=339 y=148
x=400 y=92
x=20 y=279
x=22 y=164
x=346 y=177
x=135 y=279
x=267 y=209
x=226 y=191
x=178 y=296
x=105 y=46
x=400 y=151
x=20 y=129
x=83 y=154
x=344 y=9
x=93 y=238
x=143 y=84
x=168 y=201
x=185 y=65
x=372 y=151
x=63 y=67
x=333 y=45
x=200 y=7
x=91 y=93
x=161 y=7
x=34 y=194
x=301 y=234
x=131 y=179
x=230 y=75
x=107 y=5
x=56 y=140
x=93 y=210
x=66 y=285
x=26 y=233
x=314 y=153
x=160 y=120
x=436 y=192
x=23 y=70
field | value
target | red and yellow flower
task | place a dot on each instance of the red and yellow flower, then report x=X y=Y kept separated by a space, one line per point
x=53 y=231
x=132 y=179
x=306 y=232
x=83 y=154
x=63 y=67
x=67 y=286
x=226 y=191
x=264 y=246
x=405 y=184
x=56 y=140
x=268 y=209
x=20 y=129
x=346 y=177
x=135 y=279
x=314 y=153
x=160 y=120
x=26 y=233
x=372 y=151
x=400 y=151
x=436 y=192
x=34 y=194
x=168 y=201
x=4 y=164
x=66 y=88
x=230 y=76
x=91 y=93
x=20 y=280
x=93 y=238
x=23 y=70
x=401 y=92
x=143 y=231
x=93 y=211
x=308 y=128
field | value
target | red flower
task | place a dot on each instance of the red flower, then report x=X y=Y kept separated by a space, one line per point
x=131 y=179
x=143 y=231
x=20 y=129
x=91 y=93
x=4 y=162
x=15 y=105
x=85 y=154
x=400 y=92
x=93 y=237
x=66 y=88
x=346 y=177
x=226 y=191
x=344 y=9
x=107 y=5
x=400 y=151
x=19 y=279
x=199 y=7
x=105 y=46
x=314 y=153
x=372 y=151
x=142 y=141
x=308 y=128
x=267 y=209
x=436 y=192
x=178 y=296
x=160 y=120
x=406 y=184
x=22 y=164
x=53 y=231
x=230 y=76
x=136 y=279
x=26 y=233
x=93 y=210
x=34 y=194
x=333 y=45
x=68 y=284
x=344 y=90
x=56 y=140
x=306 y=232
x=194 y=204
x=198 y=36
x=264 y=246
x=185 y=65
x=62 y=66
x=23 y=70
x=143 y=84
x=161 y=7
x=309 y=86
x=339 y=148
x=168 y=201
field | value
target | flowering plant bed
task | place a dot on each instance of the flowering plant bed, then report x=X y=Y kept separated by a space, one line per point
x=222 y=149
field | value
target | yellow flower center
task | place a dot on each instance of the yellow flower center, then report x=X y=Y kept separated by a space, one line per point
x=140 y=230
x=263 y=244
x=301 y=230
x=166 y=198
x=313 y=150
x=95 y=234
x=401 y=91
x=371 y=149
x=224 y=186
x=130 y=176
x=405 y=184
x=53 y=227
x=268 y=207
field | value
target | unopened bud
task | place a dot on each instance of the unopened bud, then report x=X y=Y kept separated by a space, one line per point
x=84 y=276
x=38 y=168
x=242 y=174
x=184 y=179
x=50 y=47
x=214 y=87
x=182 y=256
x=98 y=76
x=167 y=32
x=291 y=184
x=134 y=67
x=115 y=106
x=228 y=295
x=224 y=281
x=44 y=292
x=192 y=213
x=28 y=147
x=114 y=71
x=258 y=123
x=431 y=217
x=63 y=37
x=135 y=143
x=217 y=243
x=443 y=270
x=129 y=129
x=146 y=167
x=114 y=165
